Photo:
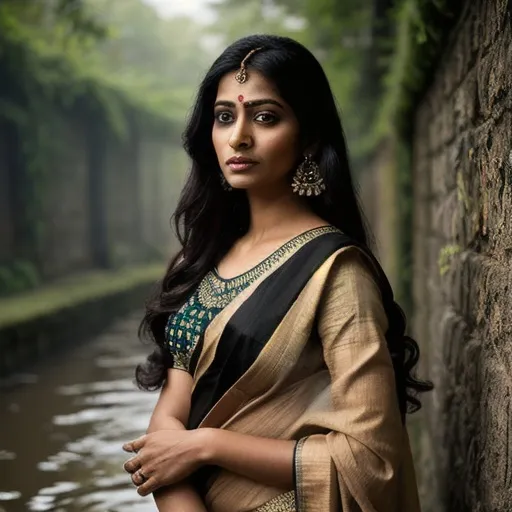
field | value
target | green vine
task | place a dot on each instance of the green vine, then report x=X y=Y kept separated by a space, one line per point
x=421 y=28
x=66 y=70
x=48 y=75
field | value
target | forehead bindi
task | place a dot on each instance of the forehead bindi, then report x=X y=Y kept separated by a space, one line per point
x=241 y=98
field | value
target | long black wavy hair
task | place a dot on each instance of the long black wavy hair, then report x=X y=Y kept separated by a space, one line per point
x=208 y=220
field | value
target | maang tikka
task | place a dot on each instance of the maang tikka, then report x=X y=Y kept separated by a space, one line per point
x=307 y=180
x=241 y=75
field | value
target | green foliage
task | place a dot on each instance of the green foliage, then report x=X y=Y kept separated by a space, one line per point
x=18 y=277
x=239 y=18
x=156 y=60
x=421 y=28
x=115 y=65
x=130 y=61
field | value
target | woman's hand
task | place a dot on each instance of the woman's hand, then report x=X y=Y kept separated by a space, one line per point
x=163 y=458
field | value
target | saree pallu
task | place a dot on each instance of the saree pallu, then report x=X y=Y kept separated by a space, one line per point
x=302 y=355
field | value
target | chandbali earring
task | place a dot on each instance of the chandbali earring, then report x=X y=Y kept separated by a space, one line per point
x=224 y=183
x=307 y=180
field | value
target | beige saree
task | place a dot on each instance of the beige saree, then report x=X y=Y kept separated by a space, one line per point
x=321 y=374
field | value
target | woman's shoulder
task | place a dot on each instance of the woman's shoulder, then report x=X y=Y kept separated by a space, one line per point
x=351 y=292
x=352 y=275
x=352 y=260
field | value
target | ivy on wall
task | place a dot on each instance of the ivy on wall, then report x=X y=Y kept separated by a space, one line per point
x=49 y=73
x=421 y=29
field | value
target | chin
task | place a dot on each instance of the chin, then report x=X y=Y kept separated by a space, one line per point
x=243 y=183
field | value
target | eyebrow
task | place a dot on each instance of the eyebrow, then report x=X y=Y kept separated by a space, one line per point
x=249 y=104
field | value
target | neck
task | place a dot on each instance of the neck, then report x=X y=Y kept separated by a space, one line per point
x=274 y=212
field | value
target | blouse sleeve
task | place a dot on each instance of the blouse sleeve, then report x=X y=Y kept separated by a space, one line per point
x=176 y=338
x=358 y=461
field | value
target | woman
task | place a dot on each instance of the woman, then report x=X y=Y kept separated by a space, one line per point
x=278 y=344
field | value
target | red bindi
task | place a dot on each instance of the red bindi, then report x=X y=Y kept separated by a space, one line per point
x=240 y=98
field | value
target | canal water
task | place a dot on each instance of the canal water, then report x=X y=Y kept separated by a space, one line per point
x=62 y=427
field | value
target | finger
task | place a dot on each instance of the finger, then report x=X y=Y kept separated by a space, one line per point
x=128 y=447
x=134 y=445
x=132 y=465
x=138 y=478
x=151 y=485
x=139 y=443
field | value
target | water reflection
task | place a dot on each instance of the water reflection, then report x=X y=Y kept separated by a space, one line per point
x=62 y=429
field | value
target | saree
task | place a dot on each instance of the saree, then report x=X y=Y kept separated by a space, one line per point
x=301 y=354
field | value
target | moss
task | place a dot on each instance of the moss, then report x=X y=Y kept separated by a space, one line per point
x=70 y=292
x=446 y=255
x=19 y=276
x=421 y=28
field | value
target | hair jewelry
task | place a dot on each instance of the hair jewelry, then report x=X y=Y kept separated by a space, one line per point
x=241 y=76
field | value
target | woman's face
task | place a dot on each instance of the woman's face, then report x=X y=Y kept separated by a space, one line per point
x=255 y=134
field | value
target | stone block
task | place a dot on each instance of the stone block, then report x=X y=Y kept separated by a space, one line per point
x=465 y=103
x=65 y=246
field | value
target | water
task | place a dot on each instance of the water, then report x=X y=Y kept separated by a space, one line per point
x=62 y=428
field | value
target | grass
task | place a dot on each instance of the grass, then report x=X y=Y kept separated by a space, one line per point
x=72 y=291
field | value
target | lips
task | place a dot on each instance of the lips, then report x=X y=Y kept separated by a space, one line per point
x=240 y=163
x=240 y=160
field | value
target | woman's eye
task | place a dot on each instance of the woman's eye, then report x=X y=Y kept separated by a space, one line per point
x=266 y=118
x=224 y=117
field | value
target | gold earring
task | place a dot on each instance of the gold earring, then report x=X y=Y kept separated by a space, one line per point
x=307 y=180
x=224 y=183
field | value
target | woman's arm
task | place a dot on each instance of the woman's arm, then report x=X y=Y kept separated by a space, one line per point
x=171 y=413
x=264 y=460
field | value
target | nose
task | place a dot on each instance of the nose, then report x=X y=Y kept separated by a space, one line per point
x=241 y=138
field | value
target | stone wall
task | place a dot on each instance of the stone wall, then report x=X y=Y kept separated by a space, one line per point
x=463 y=265
x=122 y=174
x=64 y=237
x=101 y=201
x=160 y=190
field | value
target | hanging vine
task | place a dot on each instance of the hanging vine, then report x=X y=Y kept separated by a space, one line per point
x=50 y=69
